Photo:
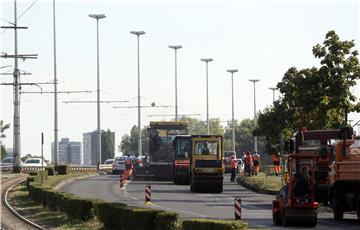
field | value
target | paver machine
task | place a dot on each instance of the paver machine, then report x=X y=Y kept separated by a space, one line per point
x=206 y=163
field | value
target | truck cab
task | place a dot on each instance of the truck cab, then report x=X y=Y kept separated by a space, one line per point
x=206 y=163
x=182 y=146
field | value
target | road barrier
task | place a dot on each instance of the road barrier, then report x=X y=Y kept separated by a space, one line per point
x=122 y=181
x=237 y=208
x=147 y=194
x=28 y=169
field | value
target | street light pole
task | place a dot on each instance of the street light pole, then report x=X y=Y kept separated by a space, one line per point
x=176 y=100
x=255 y=137
x=207 y=60
x=56 y=144
x=97 y=17
x=232 y=71
x=273 y=89
x=138 y=33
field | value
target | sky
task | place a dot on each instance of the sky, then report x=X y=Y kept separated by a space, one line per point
x=260 y=38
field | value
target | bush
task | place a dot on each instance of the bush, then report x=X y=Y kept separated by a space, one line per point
x=110 y=214
x=29 y=180
x=167 y=220
x=50 y=170
x=206 y=224
x=62 y=169
x=139 y=218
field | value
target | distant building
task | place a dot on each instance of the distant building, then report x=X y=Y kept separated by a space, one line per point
x=90 y=146
x=69 y=152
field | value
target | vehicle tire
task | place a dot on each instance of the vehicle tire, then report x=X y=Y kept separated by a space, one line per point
x=191 y=185
x=338 y=212
x=284 y=221
x=358 y=208
x=276 y=219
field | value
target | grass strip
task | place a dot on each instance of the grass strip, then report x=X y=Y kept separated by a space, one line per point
x=261 y=183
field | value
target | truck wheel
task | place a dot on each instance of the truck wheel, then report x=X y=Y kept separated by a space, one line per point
x=358 y=208
x=338 y=212
x=284 y=222
x=276 y=219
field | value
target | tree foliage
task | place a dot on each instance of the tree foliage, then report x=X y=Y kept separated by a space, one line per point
x=129 y=143
x=316 y=97
x=107 y=145
x=3 y=127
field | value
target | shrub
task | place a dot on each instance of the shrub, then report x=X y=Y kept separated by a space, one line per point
x=62 y=169
x=110 y=213
x=50 y=170
x=166 y=220
x=29 y=180
x=206 y=224
x=139 y=218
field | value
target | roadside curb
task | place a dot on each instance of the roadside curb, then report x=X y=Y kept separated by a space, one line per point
x=253 y=188
x=69 y=180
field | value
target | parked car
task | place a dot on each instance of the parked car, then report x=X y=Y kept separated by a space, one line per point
x=33 y=162
x=118 y=165
x=107 y=166
x=8 y=162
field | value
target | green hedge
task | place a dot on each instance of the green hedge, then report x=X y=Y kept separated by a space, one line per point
x=50 y=170
x=62 y=169
x=206 y=224
x=118 y=215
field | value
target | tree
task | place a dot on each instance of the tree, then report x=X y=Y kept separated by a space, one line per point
x=316 y=98
x=3 y=127
x=196 y=126
x=107 y=145
x=129 y=143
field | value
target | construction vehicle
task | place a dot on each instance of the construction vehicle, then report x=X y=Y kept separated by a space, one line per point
x=316 y=142
x=161 y=151
x=206 y=163
x=295 y=202
x=344 y=178
x=182 y=146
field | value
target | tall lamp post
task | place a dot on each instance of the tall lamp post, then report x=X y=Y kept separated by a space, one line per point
x=273 y=89
x=232 y=71
x=255 y=137
x=138 y=34
x=176 y=100
x=98 y=150
x=207 y=60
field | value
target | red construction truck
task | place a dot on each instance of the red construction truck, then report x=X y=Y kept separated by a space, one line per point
x=344 y=178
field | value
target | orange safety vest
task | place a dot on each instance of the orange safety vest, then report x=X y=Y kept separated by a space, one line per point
x=249 y=159
x=233 y=163
x=256 y=157
x=275 y=157
x=128 y=163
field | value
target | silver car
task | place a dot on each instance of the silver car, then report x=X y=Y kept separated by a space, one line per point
x=118 y=166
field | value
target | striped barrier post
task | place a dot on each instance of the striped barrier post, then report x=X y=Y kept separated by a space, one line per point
x=122 y=181
x=147 y=194
x=237 y=208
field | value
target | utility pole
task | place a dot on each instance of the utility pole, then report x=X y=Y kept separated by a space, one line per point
x=273 y=89
x=232 y=71
x=56 y=130
x=207 y=60
x=16 y=84
x=255 y=137
x=176 y=97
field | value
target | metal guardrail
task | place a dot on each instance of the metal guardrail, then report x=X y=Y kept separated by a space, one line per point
x=28 y=169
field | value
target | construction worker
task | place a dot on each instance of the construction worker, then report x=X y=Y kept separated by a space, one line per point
x=233 y=167
x=256 y=160
x=128 y=166
x=275 y=157
x=249 y=162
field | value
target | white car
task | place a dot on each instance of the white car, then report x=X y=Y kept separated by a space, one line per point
x=33 y=162
x=8 y=162
x=118 y=166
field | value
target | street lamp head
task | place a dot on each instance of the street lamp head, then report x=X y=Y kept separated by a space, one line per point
x=175 y=47
x=232 y=70
x=97 y=16
x=273 y=88
x=137 y=33
x=254 y=80
x=206 y=59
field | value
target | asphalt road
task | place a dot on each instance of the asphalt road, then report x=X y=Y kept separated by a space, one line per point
x=256 y=208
